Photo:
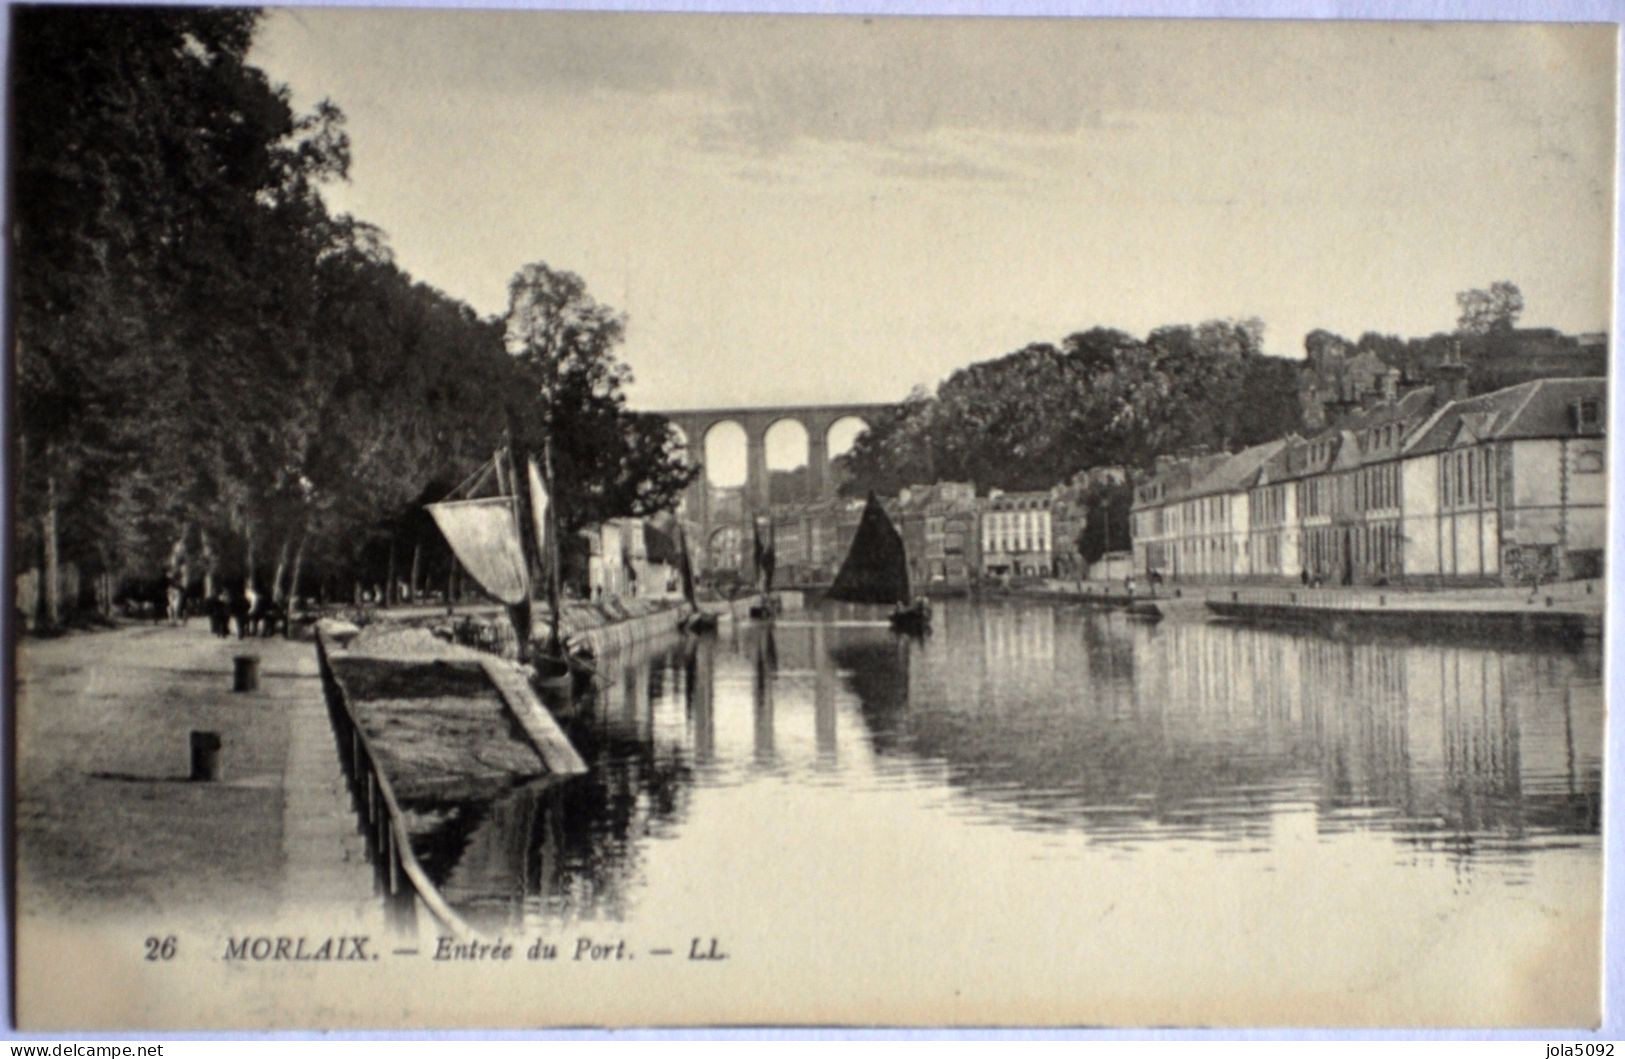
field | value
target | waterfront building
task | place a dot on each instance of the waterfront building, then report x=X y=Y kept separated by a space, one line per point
x=939 y=527
x=620 y=563
x=1428 y=488
x=1199 y=515
x=1069 y=514
x=1346 y=483
x=1509 y=485
x=1154 y=517
x=1017 y=535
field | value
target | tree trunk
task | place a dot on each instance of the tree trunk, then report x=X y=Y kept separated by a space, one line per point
x=358 y=592
x=417 y=569
x=451 y=584
x=51 y=590
x=389 y=599
x=277 y=595
x=293 y=582
x=103 y=585
x=248 y=557
x=207 y=557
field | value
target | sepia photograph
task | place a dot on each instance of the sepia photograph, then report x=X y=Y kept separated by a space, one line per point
x=535 y=519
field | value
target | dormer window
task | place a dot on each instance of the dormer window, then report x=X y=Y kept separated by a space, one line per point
x=1588 y=415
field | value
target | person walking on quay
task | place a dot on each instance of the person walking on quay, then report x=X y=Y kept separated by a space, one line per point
x=1128 y=584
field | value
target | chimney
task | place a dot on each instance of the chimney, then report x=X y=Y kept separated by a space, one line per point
x=1390 y=385
x=1450 y=377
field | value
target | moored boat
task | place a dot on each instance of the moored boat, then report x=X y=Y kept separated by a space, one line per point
x=486 y=535
x=767 y=607
x=694 y=619
x=876 y=571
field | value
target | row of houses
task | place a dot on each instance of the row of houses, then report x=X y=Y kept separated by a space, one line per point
x=953 y=537
x=1432 y=487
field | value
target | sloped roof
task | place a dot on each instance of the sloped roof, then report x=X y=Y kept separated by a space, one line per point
x=1240 y=470
x=1178 y=476
x=1412 y=404
x=1302 y=457
x=1537 y=409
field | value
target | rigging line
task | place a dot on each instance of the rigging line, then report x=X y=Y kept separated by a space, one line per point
x=472 y=482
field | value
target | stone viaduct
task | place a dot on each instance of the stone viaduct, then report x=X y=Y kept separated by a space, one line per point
x=816 y=420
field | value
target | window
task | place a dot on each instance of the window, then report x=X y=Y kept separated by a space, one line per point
x=1588 y=463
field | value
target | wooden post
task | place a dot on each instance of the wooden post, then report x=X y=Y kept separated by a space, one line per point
x=205 y=748
x=245 y=673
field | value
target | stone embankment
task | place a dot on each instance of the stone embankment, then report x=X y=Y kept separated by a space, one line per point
x=606 y=627
x=1569 y=609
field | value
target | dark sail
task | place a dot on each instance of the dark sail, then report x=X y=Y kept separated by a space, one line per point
x=876 y=569
x=685 y=565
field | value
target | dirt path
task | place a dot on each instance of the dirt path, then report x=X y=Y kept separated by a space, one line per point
x=107 y=821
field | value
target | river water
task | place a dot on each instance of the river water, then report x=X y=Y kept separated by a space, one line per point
x=1039 y=803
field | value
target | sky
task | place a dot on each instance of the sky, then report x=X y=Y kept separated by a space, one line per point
x=797 y=209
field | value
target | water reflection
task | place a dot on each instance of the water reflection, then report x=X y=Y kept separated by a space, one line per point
x=1042 y=721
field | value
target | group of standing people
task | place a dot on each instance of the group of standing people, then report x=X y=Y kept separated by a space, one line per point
x=249 y=612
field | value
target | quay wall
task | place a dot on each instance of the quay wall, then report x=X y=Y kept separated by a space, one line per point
x=1571 y=610
x=608 y=637
x=401 y=876
x=605 y=627
x=1545 y=617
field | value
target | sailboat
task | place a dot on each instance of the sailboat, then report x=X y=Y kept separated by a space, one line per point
x=766 y=559
x=876 y=571
x=695 y=620
x=556 y=652
x=485 y=534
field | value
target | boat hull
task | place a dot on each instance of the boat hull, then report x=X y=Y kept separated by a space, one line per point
x=915 y=618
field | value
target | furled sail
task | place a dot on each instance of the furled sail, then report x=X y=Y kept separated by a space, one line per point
x=876 y=567
x=538 y=508
x=484 y=535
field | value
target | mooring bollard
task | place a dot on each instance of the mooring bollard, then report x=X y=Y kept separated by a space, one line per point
x=246 y=675
x=205 y=756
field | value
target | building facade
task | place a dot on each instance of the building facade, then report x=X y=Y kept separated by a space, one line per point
x=939 y=527
x=1017 y=535
x=1428 y=488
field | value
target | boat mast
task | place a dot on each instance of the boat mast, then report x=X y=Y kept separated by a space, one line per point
x=519 y=614
x=552 y=545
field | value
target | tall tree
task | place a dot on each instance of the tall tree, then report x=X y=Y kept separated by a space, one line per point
x=164 y=193
x=1486 y=311
x=608 y=462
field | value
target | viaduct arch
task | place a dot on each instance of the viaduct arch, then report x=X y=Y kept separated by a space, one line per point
x=816 y=420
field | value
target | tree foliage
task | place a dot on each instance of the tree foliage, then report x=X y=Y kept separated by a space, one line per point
x=206 y=355
x=607 y=461
x=1035 y=417
x=1486 y=311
